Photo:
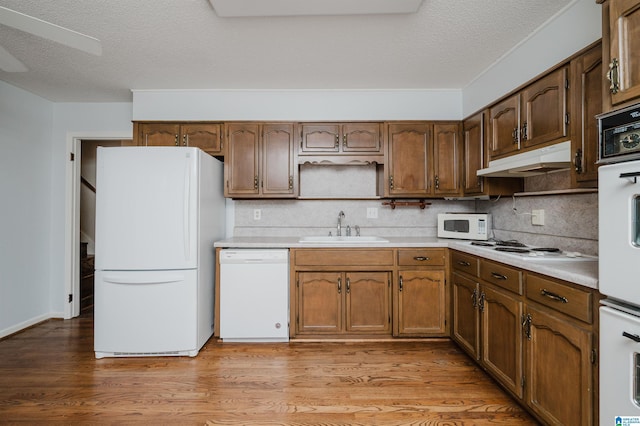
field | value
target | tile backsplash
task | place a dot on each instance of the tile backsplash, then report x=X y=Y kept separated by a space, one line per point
x=571 y=220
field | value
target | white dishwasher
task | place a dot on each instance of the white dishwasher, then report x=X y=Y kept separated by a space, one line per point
x=254 y=295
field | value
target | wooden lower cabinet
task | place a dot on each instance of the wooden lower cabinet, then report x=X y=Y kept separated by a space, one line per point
x=538 y=339
x=421 y=299
x=343 y=302
x=466 y=316
x=559 y=371
x=501 y=336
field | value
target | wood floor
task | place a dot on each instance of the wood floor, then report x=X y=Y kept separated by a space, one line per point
x=48 y=375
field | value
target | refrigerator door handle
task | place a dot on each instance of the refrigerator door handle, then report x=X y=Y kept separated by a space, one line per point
x=186 y=219
x=163 y=278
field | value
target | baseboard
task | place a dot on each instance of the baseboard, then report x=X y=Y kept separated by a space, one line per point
x=29 y=323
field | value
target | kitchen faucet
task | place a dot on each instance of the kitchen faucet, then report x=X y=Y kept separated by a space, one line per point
x=339 y=229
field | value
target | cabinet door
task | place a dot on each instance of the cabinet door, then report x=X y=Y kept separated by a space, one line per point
x=544 y=108
x=278 y=168
x=207 y=137
x=624 y=24
x=159 y=134
x=320 y=296
x=502 y=337
x=586 y=77
x=319 y=138
x=408 y=165
x=421 y=302
x=241 y=161
x=473 y=153
x=466 y=316
x=504 y=119
x=368 y=302
x=446 y=154
x=559 y=373
x=362 y=138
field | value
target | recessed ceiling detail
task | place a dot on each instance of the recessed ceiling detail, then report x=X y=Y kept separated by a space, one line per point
x=247 y=8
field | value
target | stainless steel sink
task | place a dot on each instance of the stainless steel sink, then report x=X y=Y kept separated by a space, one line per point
x=342 y=240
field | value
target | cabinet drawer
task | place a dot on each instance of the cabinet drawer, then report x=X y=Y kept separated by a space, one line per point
x=561 y=297
x=463 y=262
x=421 y=257
x=344 y=257
x=501 y=275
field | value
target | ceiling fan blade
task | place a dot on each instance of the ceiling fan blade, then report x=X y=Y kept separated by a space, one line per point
x=9 y=63
x=50 y=31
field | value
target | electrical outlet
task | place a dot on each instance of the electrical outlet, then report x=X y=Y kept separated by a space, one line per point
x=257 y=214
x=372 y=212
x=537 y=217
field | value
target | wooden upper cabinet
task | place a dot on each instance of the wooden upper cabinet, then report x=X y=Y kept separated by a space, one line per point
x=279 y=171
x=158 y=134
x=473 y=153
x=341 y=138
x=544 y=109
x=409 y=159
x=206 y=136
x=446 y=154
x=241 y=162
x=259 y=161
x=587 y=82
x=504 y=119
x=535 y=115
x=624 y=50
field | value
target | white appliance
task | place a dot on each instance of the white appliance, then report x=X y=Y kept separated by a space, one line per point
x=465 y=226
x=158 y=212
x=254 y=295
x=619 y=257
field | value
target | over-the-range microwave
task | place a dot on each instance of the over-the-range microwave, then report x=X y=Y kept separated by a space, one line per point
x=464 y=226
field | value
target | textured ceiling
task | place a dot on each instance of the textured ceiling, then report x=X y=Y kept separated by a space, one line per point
x=183 y=44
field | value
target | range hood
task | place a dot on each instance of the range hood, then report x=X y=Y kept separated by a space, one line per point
x=531 y=163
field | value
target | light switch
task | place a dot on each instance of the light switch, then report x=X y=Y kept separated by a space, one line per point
x=372 y=212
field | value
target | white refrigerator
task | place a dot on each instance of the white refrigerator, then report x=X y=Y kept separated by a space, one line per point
x=158 y=212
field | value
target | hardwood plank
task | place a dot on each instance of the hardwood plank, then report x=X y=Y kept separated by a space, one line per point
x=48 y=374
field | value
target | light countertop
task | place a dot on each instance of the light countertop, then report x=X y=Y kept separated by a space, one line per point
x=580 y=272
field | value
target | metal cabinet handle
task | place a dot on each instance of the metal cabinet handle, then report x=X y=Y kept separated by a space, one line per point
x=553 y=296
x=437 y=179
x=524 y=131
x=176 y=140
x=390 y=182
x=577 y=161
x=339 y=285
x=290 y=182
x=614 y=76
x=633 y=337
x=348 y=285
x=498 y=276
x=185 y=140
x=463 y=263
x=514 y=135
x=401 y=284
x=526 y=325
x=344 y=141
x=255 y=182
x=474 y=298
x=481 y=302
x=421 y=258
x=337 y=144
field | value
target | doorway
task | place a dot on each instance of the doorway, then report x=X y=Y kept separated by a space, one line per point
x=80 y=219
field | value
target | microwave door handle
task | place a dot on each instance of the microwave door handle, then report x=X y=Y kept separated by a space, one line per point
x=632 y=176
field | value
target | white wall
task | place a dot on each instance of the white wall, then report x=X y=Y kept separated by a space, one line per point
x=25 y=190
x=571 y=30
